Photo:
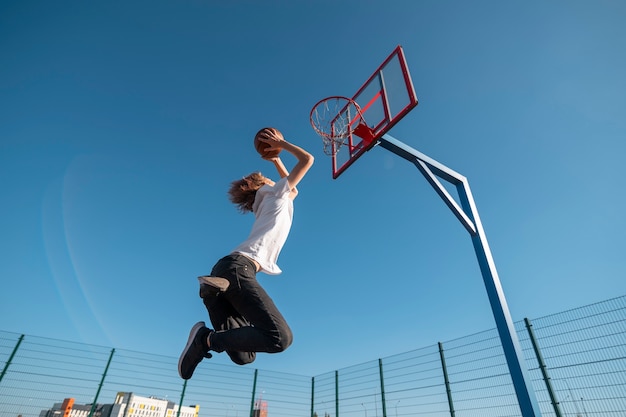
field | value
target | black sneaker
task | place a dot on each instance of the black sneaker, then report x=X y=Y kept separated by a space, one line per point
x=195 y=350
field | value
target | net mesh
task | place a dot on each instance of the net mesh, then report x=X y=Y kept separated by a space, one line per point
x=334 y=119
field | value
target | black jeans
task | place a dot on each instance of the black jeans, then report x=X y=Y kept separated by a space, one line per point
x=244 y=317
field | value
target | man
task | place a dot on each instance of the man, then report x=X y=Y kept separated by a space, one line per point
x=245 y=319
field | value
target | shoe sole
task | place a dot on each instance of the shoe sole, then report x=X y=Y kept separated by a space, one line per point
x=217 y=283
x=192 y=335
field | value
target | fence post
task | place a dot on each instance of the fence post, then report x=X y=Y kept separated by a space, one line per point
x=182 y=397
x=312 y=396
x=446 y=380
x=544 y=369
x=4 y=371
x=256 y=373
x=336 y=393
x=106 y=369
x=382 y=387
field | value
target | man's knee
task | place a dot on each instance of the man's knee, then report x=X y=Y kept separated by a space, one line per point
x=284 y=339
x=241 y=358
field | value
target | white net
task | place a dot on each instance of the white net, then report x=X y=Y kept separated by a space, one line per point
x=334 y=119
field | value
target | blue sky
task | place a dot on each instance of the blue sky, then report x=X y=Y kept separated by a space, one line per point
x=122 y=124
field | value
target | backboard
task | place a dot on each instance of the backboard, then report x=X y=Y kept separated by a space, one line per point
x=383 y=100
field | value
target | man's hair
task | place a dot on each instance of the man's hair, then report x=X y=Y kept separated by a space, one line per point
x=242 y=192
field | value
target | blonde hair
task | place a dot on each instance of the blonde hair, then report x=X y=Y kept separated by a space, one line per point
x=243 y=192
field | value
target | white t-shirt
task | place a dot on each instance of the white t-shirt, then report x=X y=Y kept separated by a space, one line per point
x=273 y=212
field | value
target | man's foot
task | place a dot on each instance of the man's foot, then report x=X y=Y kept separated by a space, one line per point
x=195 y=351
x=212 y=285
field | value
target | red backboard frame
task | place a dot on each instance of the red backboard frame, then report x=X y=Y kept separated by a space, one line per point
x=385 y=98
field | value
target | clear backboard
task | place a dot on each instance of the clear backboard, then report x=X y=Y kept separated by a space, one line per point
x=351 y=126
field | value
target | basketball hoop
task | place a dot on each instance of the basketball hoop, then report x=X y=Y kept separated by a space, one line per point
x=334 y=119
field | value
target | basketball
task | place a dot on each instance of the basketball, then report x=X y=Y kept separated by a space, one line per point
x=262 y=146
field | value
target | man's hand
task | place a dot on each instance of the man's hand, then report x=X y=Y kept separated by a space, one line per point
x=274 y=139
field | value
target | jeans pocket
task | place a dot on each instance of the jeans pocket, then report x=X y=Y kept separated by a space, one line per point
x=244 y=274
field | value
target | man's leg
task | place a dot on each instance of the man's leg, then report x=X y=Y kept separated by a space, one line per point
x=261 y=327
x=224 y=317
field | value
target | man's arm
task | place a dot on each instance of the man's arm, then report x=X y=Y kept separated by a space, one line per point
x=282 y=171
x=280 y=167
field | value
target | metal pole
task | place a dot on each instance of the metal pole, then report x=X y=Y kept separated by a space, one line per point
x=256 y=373
x=336 y=393
x=544 y=369
x=106 y=369
x=446 y=380
x=504 y=323
x=4 y=371
x=382 y=387
x=467 y=214
x=312 y=396
x=182 y=397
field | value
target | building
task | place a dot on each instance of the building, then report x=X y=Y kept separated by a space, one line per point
x=260 y=408
x=126 y=404
x=68 y=409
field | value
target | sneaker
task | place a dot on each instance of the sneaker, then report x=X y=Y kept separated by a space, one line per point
x=195 y=350
x=212 y=286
